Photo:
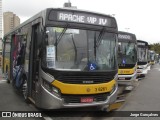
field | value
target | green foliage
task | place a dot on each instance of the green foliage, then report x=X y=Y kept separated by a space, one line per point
x=155 y=47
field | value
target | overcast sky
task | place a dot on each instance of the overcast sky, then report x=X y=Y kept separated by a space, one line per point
x=142 y=17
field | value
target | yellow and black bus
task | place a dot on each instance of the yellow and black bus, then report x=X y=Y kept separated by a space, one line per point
x=64 y=58
x=152 y=57
x=142 y=68
x=149 y=60
x=127 y=58
x=157 y=58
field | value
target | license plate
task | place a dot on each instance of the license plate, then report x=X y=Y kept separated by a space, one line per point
x=120 y=78
x=87 y=100
x=139 y=71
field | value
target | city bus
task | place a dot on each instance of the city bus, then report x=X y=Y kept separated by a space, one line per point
x=64 y=58
x=149 y=59
x=152 y=57
x=157 y=58
x=142 y=69
x=127 y=58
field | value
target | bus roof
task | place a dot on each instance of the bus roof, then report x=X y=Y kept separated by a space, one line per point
x=46 y=15
x=142 y=43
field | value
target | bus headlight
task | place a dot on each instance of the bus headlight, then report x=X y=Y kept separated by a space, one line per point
x=47 y=85
x=55 y=90
x=51 y=88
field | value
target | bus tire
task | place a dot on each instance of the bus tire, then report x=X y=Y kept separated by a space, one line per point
x=25 y=89
x=6 y=75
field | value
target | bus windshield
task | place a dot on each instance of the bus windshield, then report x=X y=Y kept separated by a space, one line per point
x=127 y=53
x=77 y=49
x=152 y=56
x=142 y=54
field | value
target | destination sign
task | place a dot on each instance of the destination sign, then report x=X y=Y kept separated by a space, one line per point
x=82 y=17
x=140 y=43
x=122 y=36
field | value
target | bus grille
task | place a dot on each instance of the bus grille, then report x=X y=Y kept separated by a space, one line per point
x=77 y=98
x=84 y=79
x=125 y=78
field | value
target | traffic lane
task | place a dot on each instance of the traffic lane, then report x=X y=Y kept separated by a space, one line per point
x=146 y=96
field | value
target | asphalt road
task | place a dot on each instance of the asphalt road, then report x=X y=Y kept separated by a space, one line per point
x=145 y=97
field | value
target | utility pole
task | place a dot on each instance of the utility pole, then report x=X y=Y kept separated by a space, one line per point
x=127 y=29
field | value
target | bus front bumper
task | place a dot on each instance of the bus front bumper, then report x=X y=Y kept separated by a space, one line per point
x=128 y=79
x=142 y=71
x=47 y=100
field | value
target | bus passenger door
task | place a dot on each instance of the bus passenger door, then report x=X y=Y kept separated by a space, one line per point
x=33 y=62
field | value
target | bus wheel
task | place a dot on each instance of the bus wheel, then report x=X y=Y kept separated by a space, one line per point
x=6 y=76
x=25 y=89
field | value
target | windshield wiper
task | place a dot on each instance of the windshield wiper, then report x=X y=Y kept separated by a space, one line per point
x=99 y=39
x=61 y=35
x=75 y=48
x=95 y=44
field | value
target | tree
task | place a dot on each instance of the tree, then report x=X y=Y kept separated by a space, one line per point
x=155 y=47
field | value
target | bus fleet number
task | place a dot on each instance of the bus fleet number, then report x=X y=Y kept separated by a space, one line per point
x=100 y=89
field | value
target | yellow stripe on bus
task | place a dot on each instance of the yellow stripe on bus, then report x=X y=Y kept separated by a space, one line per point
x=84 y=88
x=126 y=71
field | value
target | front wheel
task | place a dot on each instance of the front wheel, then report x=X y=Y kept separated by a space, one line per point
x=7 y=77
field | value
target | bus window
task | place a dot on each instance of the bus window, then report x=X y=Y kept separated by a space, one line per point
x=127 y=53
x=77 y=48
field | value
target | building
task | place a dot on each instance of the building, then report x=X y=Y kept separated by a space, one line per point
x=10 y=21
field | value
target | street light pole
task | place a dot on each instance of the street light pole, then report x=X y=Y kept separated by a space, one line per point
x=127 y=29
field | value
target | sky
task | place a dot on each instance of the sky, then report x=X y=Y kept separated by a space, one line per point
x=140 y=17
